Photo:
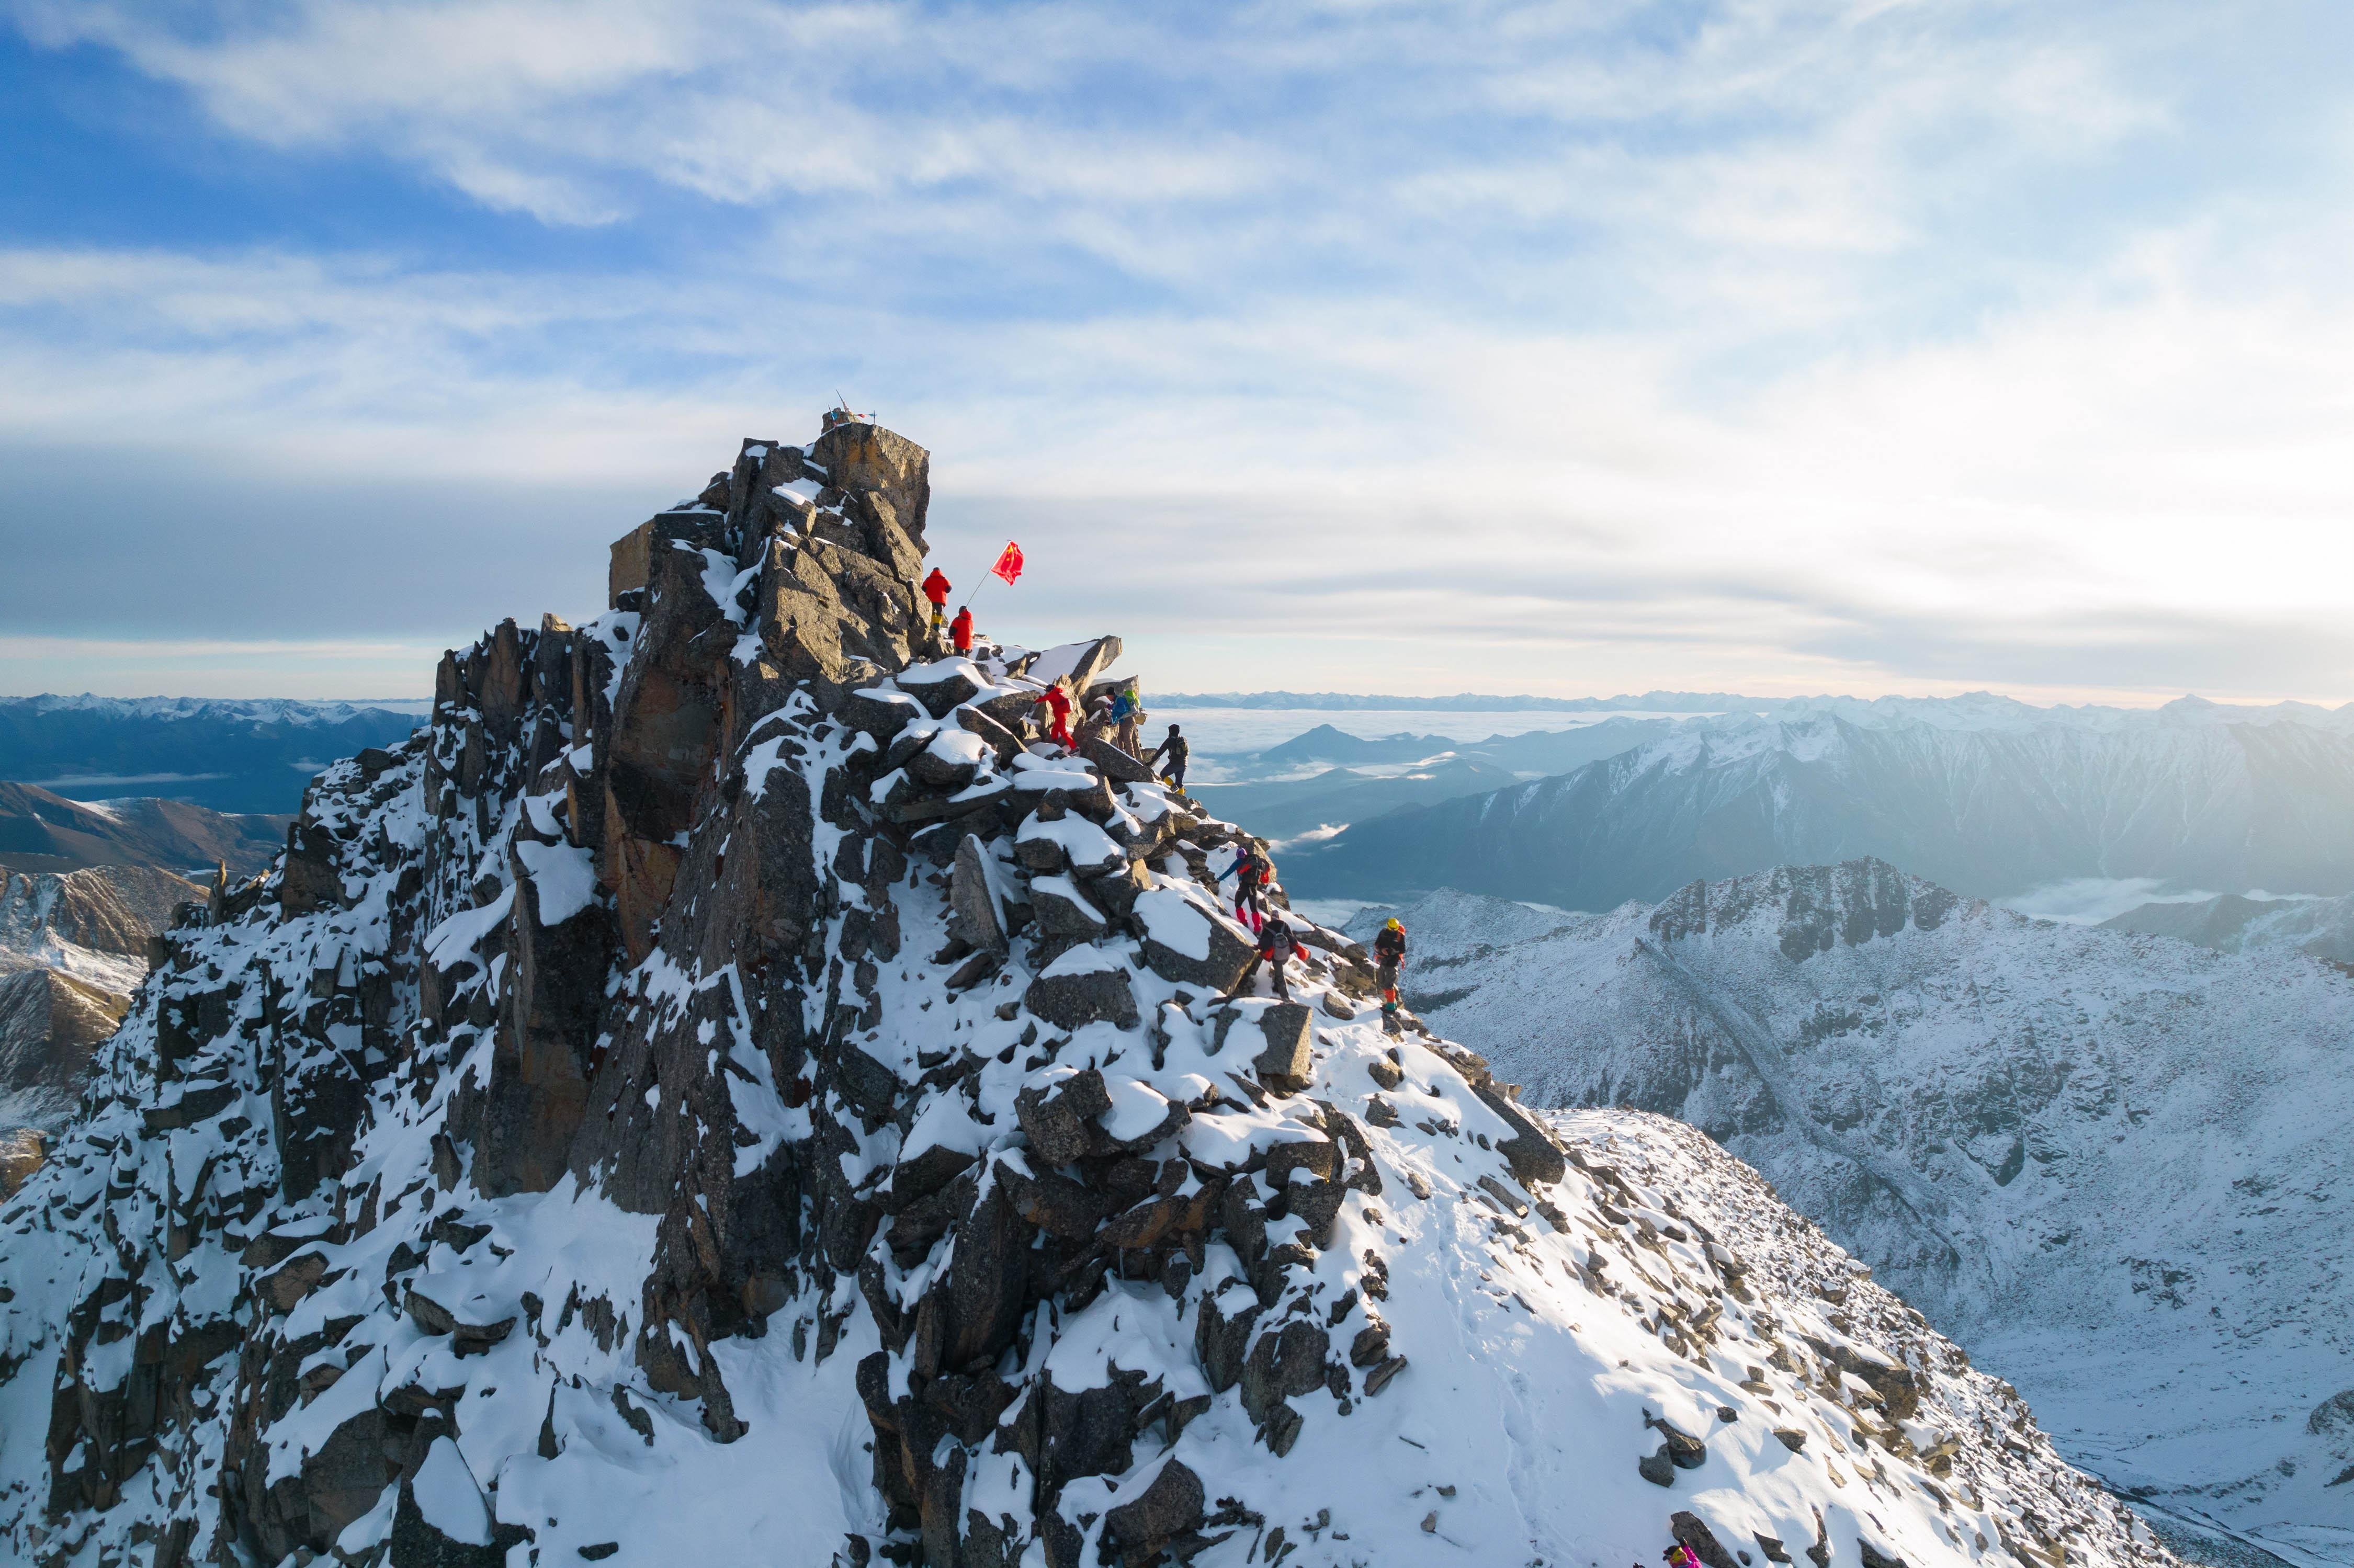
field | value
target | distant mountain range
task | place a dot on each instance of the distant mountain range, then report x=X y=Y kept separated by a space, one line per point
x=1466 y=702
x=2112 y=1165
x=1294 y=789
x=1285 y=809
x=41 y=831
x=85 y=883
x=1984 y=795
x=2318 y=927
x=228 y=755
x=1531 y=754
x=1970 y=709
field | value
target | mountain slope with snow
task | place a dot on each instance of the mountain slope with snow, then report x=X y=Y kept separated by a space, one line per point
x=721 y=1095
x=2112 y=1164
x=2318 y=927
x=73 y=947
x=1991 y=805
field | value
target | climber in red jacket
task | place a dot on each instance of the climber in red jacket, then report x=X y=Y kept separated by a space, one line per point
x=936 y=588
x=1058 y=708
x=960 y=630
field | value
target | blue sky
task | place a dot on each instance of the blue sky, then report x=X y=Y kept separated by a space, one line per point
x=1574 y=349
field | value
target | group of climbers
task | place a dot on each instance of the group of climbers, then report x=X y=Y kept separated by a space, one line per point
x=1254 y=875
x=1121 y=711
x=1115 y=715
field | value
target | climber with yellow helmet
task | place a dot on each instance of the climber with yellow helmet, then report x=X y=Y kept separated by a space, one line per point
x=1389 y=955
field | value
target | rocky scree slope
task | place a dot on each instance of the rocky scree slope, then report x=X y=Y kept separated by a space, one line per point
x=2112 y=1165
x=718 y=1093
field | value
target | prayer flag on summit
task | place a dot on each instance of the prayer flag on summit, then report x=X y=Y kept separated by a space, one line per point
x=1009 y=564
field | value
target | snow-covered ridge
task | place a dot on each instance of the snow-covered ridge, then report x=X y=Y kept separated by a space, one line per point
x=2110 y=1163
x=722 y=1094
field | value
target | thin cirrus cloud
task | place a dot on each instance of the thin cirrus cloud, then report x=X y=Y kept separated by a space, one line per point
x=1776 y=346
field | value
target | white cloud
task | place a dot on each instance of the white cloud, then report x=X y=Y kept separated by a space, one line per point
x=1795 y=350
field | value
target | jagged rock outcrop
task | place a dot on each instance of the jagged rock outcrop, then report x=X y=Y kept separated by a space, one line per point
x=722 y=1090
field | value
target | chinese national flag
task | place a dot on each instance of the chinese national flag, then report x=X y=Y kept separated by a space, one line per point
x=1009 y=564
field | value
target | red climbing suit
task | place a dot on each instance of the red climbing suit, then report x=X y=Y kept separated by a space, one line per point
x=1058 y=705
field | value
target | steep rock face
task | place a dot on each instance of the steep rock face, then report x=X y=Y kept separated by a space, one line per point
x=654 y=1114
x=2112 y=1164
x=1991 y=812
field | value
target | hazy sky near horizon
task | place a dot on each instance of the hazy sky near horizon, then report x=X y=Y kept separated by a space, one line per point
x=1762 y=346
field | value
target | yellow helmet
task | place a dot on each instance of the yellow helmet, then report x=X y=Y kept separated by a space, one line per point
x=1392 y=925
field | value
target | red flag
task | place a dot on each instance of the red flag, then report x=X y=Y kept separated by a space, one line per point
x=1009 y=564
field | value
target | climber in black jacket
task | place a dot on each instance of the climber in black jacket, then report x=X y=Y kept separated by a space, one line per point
x=1276 y=948
x=1174 y=748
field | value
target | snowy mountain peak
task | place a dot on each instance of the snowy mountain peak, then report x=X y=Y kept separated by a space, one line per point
x=723 y=1091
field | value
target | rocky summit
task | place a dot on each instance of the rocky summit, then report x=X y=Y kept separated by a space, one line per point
x=722 y=1094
